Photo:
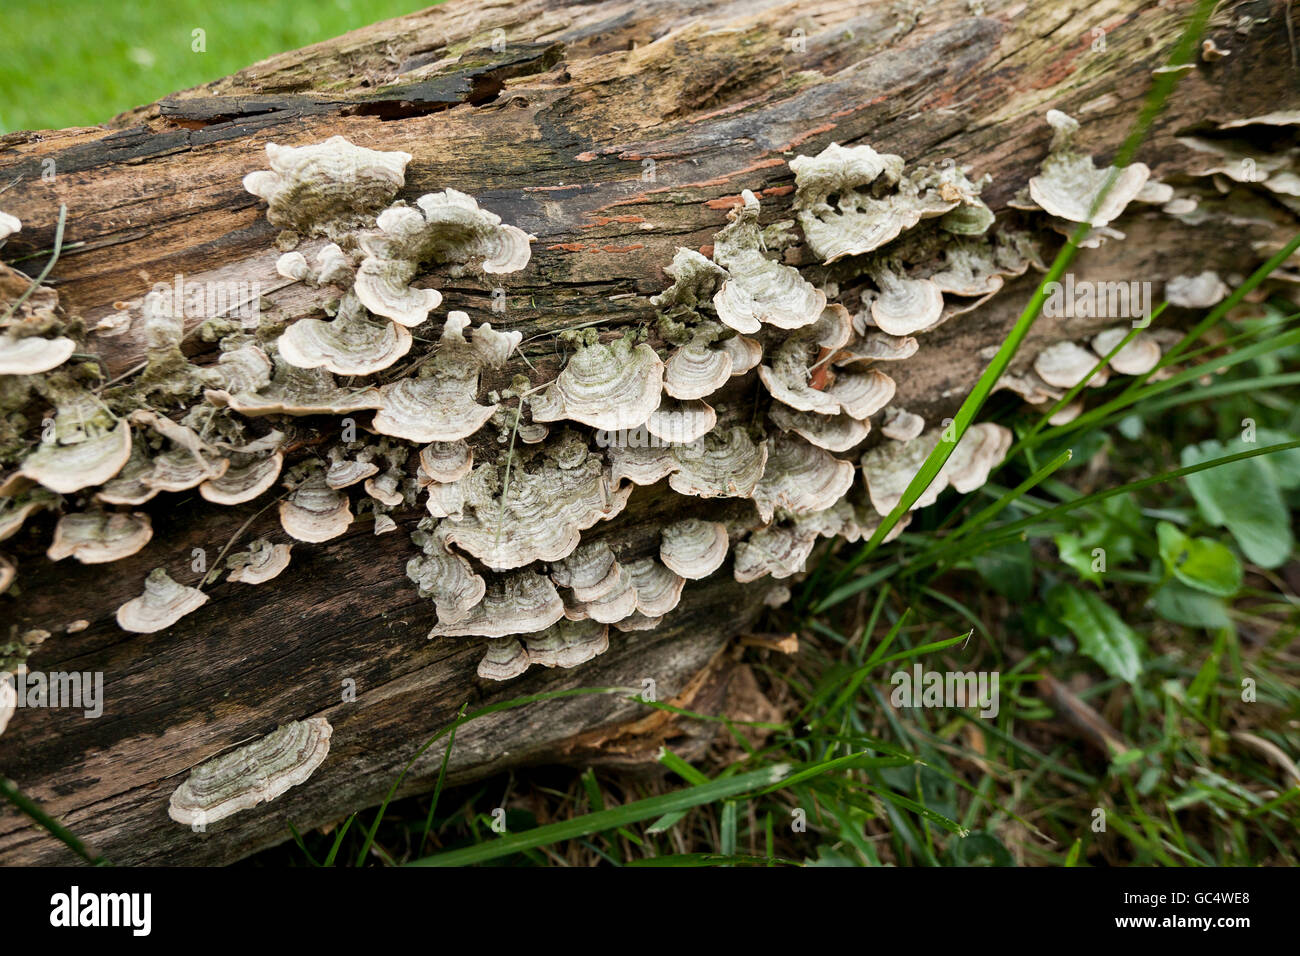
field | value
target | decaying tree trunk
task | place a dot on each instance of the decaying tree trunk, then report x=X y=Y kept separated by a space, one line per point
x=614 y=132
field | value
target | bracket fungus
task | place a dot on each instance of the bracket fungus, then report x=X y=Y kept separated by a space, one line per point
x=610 y=386
x=1196 y=292
x=680 y=423
x=833 y=432
x=852 y=200
x=254 y=476
x=352 y=343
x=444 y=461
x=567 y=643
x=539 y=516
x=95 y=456
x=1138 y=357
x=255 y=773
x=330 y=188
x=446 y=227
x=904 y=305
x=9 y=225
x=333 y=267
x=901 y=425
x=442 y=403
x=261 y=562
x=445 y=577
x=800 y=478
x=97 y=538
x=504 y=659
x=658 y=589
x=722 y=464
x=1065 y=365
x=162 y=604
x=693 y=549
x=33 y=354
x=1069 y=184
x=697 y=369
x=518 y=603
x=314 y=511
x=759 y=291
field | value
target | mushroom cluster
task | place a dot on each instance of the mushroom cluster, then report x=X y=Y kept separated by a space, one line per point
x=508 y=490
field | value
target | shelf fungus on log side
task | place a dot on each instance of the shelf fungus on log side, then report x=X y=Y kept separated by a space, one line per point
x=358 y=416
x=255 y=773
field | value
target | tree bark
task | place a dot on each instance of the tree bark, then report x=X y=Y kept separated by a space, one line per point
x=551 y=130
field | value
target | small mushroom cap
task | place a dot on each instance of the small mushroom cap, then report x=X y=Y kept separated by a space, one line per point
x=8 y=571
x=726 y=464
x=610 y=387
x=1196 y=292
x=590 y=571
x=679 y=423
x=780 y=550
x=446 y=461
x=97 y=538
x=315 y=512
x=568 y=643
x=33 y=354
x=353 y=343
x=832 y=432
x=326 y=187
x=758 y=290
x=163 y=603
x=505 y=659
x=262 y=562
x=344 y=472
x=1138 y=357
x=901 y=425
x=800 y=478
x=1065 y=365
x=905 y=305
x=382 y=286
x=1068 y=184
x=9 y=225
x=70 y=468
x=745 y=353
x=385 y=489
x=658 y=590
x=692 y=548
x=696 y=370
x=255 y=773
x=613 y=601
x=518 y=603
x=245 y=482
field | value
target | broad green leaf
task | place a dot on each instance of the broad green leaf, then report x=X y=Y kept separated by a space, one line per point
x=1101 y=633
x=1202 y=563
x=1110 y=531
x=1244 y=497
x=1177 y=602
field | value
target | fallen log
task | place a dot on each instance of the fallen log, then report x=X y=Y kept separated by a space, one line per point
x=613 y=134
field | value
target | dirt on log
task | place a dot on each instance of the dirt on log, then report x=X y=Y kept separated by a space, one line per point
x=614 y=132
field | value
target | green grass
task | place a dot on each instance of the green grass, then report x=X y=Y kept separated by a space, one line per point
x=81 y=62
